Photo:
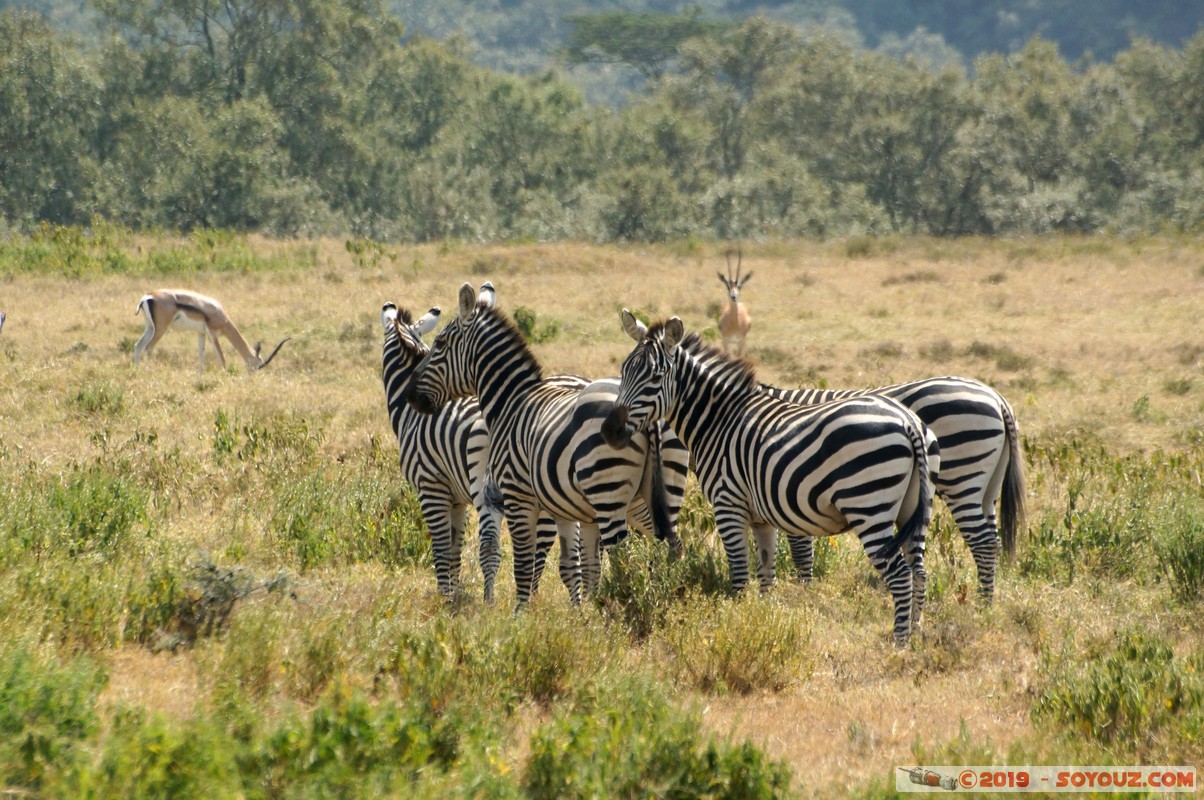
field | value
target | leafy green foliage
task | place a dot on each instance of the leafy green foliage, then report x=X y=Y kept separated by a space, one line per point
x=1128 y=694
x=742 y=645
x=318 y=120
x=632 y=743
x=47 y=711
x=531 y=329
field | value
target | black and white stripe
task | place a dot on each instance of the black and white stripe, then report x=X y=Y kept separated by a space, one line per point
x=980 y=461
x=546 y=453
x=442 y=456
x=769 y=464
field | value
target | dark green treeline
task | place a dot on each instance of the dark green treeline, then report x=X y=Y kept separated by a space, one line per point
x=307 y=117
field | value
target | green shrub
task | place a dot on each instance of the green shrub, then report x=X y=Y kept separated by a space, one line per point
x=630 y=742
x=47 y=711
x=1127 y=695
x=151 y=756
x=746 y=644
x=350 y=747
x=99 y=399
x=1179 y=548
x=530 y=328
x=644 y=582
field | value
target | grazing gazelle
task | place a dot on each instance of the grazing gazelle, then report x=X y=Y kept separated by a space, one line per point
x=195 y=312
x=734 y=321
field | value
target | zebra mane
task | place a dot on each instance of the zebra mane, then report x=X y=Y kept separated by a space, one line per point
x=504 y=321
x=405 y=317
x=736 y=373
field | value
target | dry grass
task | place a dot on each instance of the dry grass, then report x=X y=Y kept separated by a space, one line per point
x=1081 y=332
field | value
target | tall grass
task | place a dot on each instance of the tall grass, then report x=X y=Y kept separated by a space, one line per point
x=220 y=586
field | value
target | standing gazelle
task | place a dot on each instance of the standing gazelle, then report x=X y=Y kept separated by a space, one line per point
x=734 y=321
x=195 y=312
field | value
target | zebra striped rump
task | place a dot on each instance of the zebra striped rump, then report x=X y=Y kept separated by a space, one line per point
x=857 y=464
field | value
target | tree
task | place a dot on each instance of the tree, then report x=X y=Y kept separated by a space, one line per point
x=48 y=105
x=648 y=41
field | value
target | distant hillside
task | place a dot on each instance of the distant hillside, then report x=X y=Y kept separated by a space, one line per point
x=523 y=35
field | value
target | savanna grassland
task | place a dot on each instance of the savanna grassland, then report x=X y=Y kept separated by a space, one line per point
x=216 y=584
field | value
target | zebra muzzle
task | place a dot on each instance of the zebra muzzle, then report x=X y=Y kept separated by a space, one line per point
x=421 y=402
x=615 y=428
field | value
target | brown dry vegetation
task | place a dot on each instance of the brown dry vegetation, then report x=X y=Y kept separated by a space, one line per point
x=1096 y=338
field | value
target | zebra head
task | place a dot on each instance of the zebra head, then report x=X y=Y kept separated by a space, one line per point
x=403 y=347
x=446 y=373
x=399 y=324
x=646 y=385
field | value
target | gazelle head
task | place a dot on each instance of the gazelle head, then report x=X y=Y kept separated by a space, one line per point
x=263 y=362
x=734 y=283
x=646 y=383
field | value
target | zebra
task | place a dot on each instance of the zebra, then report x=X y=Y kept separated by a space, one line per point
x=546 y=452
x=444 y=457
x=980 y=462
x=765 y=463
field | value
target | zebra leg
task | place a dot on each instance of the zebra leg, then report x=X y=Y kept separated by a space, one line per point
x=981 y=536
x=545 y=538
x=591 y=554
x=436 y=508
x=489 y=548
x=766 y=539
x=802 y=553
x=914 y=556
x=521 y=516
x=570 y=558
x=732 y=526
x=458 y=516
x=897 y=574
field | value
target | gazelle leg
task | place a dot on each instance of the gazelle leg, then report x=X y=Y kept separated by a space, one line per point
x=149 y=337
x=217 y=348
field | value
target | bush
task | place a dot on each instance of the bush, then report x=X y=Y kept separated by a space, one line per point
x=644 y=582
x=628 y=742
x=1179 y=549
x=1127 y=695
x=746 y=644
x=47 y=710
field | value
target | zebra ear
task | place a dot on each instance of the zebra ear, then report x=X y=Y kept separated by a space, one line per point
x=468 y=301
x=634 y=328
x=488 y=294
x=388 y=313
x=675 y=331
x=428 y=321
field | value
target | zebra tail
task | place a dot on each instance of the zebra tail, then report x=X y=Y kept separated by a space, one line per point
x=1011 y=507
x=494 y=499
x=916 y=526
x=662 y=519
